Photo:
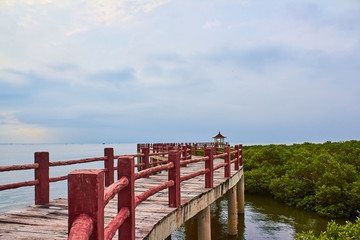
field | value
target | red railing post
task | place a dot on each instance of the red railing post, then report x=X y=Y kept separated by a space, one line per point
x=241 y=154
x=195 y=149
x=126 y=198
x=109 y=165
x=227 y=160
x=237 y=157
x=42 y=174
x=188 y=151
x=184 y=154
x=145 y=160
x=86 y=196
x=209 y=164
x=174 y=175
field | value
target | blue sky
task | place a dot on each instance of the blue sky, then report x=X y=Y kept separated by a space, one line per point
x=167 y=71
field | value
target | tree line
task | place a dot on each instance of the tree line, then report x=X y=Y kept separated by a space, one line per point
x=323 y=178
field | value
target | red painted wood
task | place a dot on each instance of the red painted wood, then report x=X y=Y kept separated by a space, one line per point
x=183 y=155
x=227 y=161
x=145 y=195
x=149 y=171
x=174 y=175
x=17 y=185
x=241 y=154
x=86 y=196
x=42 y=174
x=192 y=175
x=81 y=228
x=70 y=162
x=126 y=198
x=114 y=189
x=115 y=223
x=139 y=165
x=145 y=151
x=220 y=166
x=183 y=163
x=209 y=164
x=220 y=155
x=109 y=165
x=18 y=167
x=56 y=179
x=157 y=153
x=157 y=163
x=237 y=157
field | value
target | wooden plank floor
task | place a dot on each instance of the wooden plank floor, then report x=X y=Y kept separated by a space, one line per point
x=50 y=221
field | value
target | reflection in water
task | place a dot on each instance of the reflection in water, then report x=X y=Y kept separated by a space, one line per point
x=265 y=218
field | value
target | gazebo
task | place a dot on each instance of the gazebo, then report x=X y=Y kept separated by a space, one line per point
x=219 y=140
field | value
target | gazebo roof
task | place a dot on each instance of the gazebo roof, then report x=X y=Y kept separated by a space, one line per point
x=219 y=136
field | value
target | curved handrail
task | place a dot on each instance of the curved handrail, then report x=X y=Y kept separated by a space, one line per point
x=81 y=228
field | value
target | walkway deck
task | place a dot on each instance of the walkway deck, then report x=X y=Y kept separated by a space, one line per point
x=154 y=219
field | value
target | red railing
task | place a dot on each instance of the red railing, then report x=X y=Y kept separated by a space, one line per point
x=124 y=187
x=87 y=196
x=42 y=164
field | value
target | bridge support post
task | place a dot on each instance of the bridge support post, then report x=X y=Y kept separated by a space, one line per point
x=204 y=224
x=86 y=196
x=232 y=213
x=109 y=165
x=240 y=187
x=42 y=174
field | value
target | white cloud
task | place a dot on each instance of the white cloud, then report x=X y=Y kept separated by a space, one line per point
x=212 y=24
x=113 y=12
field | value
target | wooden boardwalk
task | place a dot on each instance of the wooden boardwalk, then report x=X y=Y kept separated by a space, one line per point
x=50 y=221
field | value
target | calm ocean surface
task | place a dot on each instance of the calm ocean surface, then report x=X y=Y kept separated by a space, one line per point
x=264 y=217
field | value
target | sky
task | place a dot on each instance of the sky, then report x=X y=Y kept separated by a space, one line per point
x=121 y=71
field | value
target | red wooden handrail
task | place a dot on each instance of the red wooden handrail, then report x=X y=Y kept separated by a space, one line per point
x=115 y=223
x=70 y=162
x=113 y=189
x=220 y=155
x=56 y=179
x=19 y=184
x=157 y=163
x=81 y=228
x=149 y=171
x=192 y=175
x=18 y=167
x=145 y=195
x=193 y=160
x=220 y=166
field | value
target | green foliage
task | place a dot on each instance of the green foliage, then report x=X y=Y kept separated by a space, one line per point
x=335 y=231
x=320 y=177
